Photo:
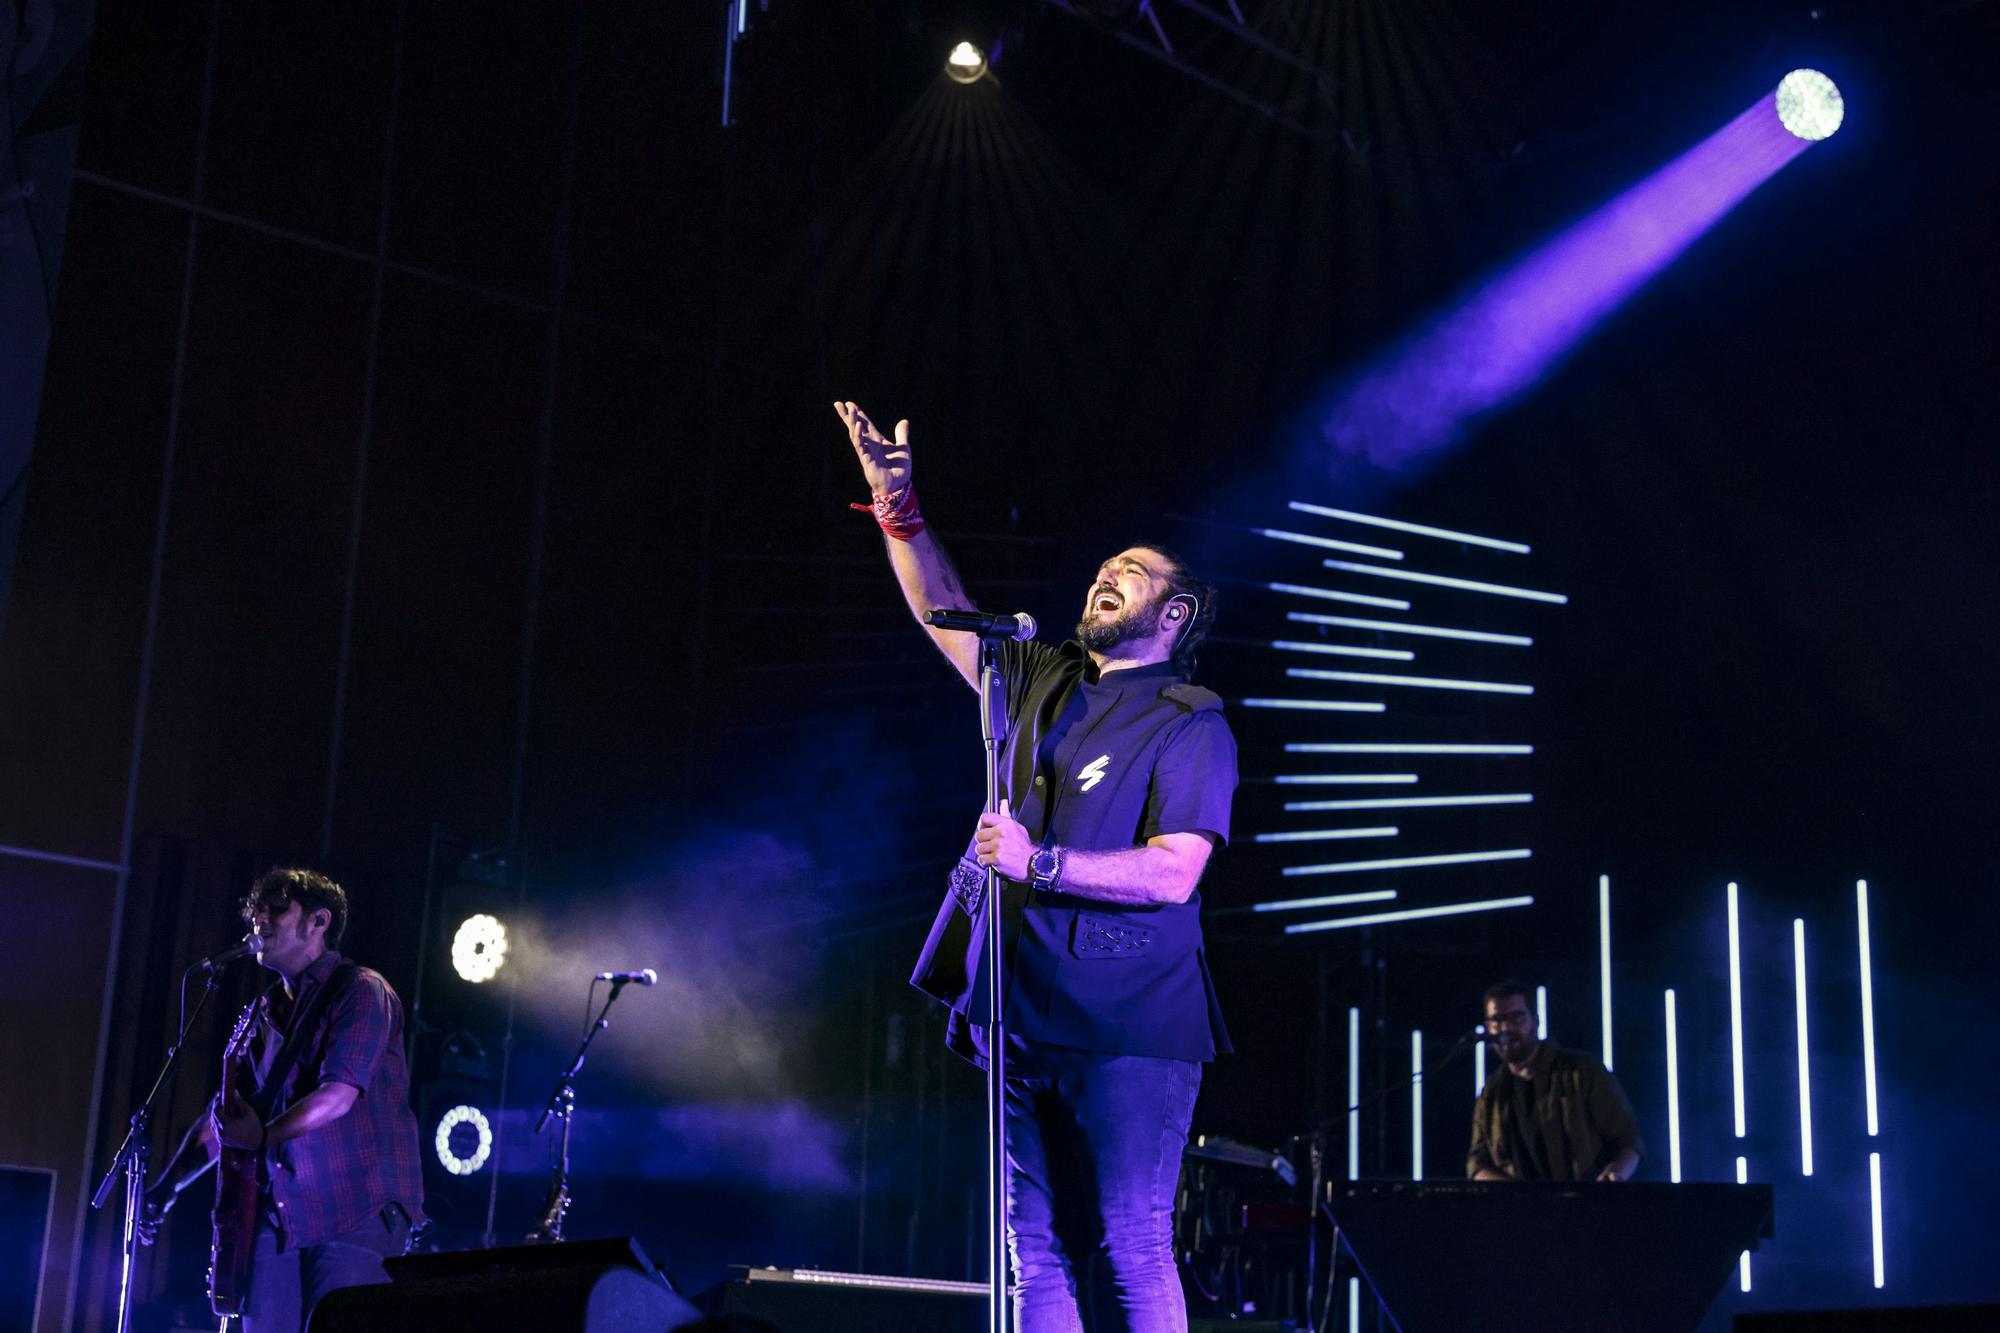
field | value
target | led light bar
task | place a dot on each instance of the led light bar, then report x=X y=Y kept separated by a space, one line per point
x=1410 y=914
x=1328 y=543
x=1354 y=1094
x=1399 y=747
x=1736 y=1016
x=1354 y=1302
x=1397 y=525
x=1415 y=682
x=1410 y=802
x=1604 y=962
x=1673 y=1094
x=1410 y=862
x=1805 y=1063
x=1340 y=779
x=1867 y=1015
x=1314 y=705
x=1327 y=834
x=1416 y=1105
x=1541 y=1013
x=1342 y=650
x=1399 y=627
x=942 y=1286
x=1875 y=1211
x=1478 y=1067
x=1331 y=900
x=1329 y=595
x=1446 y=581
x=1743 y=1261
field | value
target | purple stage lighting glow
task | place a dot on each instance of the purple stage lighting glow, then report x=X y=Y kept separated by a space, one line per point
x=1509 y=333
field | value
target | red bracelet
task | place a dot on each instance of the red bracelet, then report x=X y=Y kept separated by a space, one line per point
x=897 y=512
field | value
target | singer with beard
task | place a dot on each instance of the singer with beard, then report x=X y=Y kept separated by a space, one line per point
x=340 y=1183
x=1547 y=1113
x=1117 y=776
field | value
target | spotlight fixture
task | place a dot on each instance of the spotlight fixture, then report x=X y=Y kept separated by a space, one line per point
x=966 y=63
x=1809 y=105
x=464 y=1140
x=479 y=948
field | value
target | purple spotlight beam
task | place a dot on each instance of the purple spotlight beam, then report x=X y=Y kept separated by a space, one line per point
x=1509 y=333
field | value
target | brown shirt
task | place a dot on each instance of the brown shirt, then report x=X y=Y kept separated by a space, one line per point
x=1581 y=1121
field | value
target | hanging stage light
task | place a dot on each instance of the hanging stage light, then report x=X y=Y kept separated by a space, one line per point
x=1809 y=105
x=966 y=63
x=479 y=948
x=464 y=1139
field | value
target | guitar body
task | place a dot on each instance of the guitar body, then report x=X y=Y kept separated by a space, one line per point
x=234 y=1219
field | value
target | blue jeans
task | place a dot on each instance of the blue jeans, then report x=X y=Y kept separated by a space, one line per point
x=284 y=1287
x=1094 y=1156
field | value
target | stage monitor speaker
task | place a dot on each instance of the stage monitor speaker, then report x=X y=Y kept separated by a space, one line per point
x=809 y=1300
x=1928 y=1319
x=27 y=1195
x=592 y=1286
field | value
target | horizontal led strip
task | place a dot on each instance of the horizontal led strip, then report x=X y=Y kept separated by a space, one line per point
x=1410 y=862
x=1328 y=594
x=1398 y=525
x=1340 y=779
x=1315 y=705
x=1446 y=581
x=1414 y=682
x=1409 y=914
x=1408 y=802
x=1328 y=543
x=1396 y=627
x=1340 y=650
x=1330 y=900
x=1400 y=747
x=1327 y=834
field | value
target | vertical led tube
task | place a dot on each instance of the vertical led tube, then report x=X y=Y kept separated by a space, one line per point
x=1743 y=1261
x=1417 y=1105
x=1478 y=1068
x=1673 y=1095
x=1805 y=1061
x=1354 y=1305
x=1541 y=1013
x=1875 y=1210
x=1867 y=1009
x=1353 y=1094
x=1604 y=962
x=1736 y=1016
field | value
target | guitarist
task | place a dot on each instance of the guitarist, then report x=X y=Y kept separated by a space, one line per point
x=318 y=1111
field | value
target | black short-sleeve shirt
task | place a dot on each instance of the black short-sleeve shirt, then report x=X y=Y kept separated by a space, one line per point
x=1099 y=762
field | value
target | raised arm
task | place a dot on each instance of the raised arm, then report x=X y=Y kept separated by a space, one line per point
x=922 y=568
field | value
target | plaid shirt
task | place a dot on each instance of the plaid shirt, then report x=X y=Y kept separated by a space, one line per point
x=328 y=1182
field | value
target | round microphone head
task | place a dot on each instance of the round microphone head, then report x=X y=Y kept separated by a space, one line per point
x=647 y=976
x=1026 y=623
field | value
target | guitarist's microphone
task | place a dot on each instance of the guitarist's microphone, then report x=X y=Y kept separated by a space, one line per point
x=243 y=948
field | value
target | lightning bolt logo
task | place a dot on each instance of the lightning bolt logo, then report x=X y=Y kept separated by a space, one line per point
x=1092 y=773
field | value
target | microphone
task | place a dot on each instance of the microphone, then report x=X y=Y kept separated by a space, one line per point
x=243 y=948
x=645 y=976
x=1020 y=626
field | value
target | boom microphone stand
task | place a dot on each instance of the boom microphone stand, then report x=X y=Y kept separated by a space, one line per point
x=562 y=1105
x=136 y=1151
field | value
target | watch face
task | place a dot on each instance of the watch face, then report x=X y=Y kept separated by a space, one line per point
x=1042 y=865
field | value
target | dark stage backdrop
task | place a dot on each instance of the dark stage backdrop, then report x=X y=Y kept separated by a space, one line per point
x=436 y=434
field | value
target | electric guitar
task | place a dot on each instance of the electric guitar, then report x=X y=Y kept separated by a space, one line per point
x=234 y=1219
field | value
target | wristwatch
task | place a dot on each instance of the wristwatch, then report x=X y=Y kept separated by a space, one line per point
x=1045 y=866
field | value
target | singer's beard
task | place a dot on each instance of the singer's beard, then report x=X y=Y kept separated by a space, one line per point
x=1101 y=636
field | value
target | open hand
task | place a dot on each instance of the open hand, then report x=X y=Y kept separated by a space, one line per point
x=235 y=1124
x=885 y=464
x=1002 y=841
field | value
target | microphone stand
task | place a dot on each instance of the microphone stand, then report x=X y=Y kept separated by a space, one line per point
x=136 y=1152
x=993 y=733
x=1319 y=1181
x=562 y=1104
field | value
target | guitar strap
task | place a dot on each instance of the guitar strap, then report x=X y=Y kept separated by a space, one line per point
x=304 y=1020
